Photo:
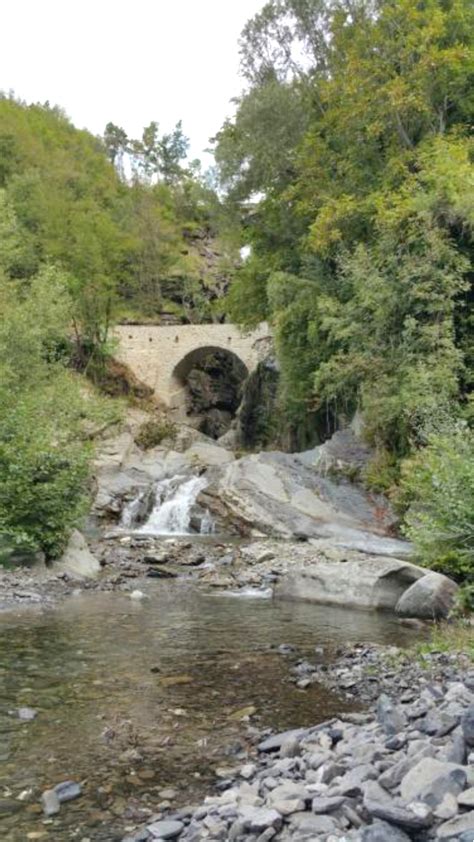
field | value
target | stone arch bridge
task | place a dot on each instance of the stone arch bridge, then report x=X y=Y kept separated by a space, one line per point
x=162 y=356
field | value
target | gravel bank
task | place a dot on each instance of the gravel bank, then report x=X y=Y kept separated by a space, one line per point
x=403 y=770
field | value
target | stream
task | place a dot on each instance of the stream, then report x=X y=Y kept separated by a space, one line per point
x=134 y=697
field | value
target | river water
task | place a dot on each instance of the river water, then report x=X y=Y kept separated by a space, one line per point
x=133 y=697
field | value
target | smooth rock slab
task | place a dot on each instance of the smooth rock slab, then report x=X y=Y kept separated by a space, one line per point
x=166 y=829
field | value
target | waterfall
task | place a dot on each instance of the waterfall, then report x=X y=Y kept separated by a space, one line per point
x=132 y=511
x=207 y=524
x=171 y=514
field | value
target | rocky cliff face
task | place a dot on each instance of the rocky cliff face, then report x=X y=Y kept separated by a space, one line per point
x=257 y=424
x=198 y=297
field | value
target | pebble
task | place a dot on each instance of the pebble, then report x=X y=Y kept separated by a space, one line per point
x=50 y=803
x=68 y=791
x=27 y=714
x=395 y=773
x=167 y=829
x=168 y=794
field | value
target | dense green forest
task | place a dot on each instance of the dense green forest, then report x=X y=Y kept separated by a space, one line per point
x=124 y=239
x=82 y=246
x=352 y=144
x=348 y=171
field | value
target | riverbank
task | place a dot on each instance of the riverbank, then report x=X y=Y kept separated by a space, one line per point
x=403 y=770
x=215 y=670
x=134 y=698
x=319 y=571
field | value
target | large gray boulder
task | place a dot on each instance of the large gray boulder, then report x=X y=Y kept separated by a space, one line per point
x=431 y=597
x=362 y=581
x=77 y=559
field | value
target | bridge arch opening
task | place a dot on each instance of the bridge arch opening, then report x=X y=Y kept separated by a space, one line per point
x=207 y=386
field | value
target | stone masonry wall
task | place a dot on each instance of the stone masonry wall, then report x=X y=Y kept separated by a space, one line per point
x=153 y=352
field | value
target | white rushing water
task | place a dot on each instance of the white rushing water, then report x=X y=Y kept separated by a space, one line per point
x=131 y=511
x=171 y=514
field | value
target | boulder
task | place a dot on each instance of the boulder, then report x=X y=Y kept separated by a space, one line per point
x=275 y=742
x=422 y=779
x=258 y=819
x=77 y=559
x=287 y=798
x=391 y=718
x=431 y=597
x=360 y=582
x=312 y=825
x=380 y=805
x=166 y=829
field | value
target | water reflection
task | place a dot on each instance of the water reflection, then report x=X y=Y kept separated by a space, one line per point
x=151 y=688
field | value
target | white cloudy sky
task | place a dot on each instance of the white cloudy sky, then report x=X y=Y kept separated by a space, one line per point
x=127 y=62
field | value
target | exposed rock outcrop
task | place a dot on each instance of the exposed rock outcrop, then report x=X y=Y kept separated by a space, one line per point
x=256 y=423
x=371 y=582
x=284 y=494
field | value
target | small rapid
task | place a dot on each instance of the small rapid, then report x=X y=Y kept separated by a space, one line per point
x=175 y=499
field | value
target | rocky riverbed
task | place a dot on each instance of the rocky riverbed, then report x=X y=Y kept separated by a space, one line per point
x=403 y=770
x=165 y=617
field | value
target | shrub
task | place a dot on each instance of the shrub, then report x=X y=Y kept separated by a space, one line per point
x=382 y=471
x=154 y=431
x=46 y=413
x=437 y=486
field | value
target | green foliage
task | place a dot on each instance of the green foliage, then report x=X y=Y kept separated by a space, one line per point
x=437 y=486
x=126 y=246
x=449 y=637
x=465 y=601
x=382 y=472
x=361 y=193
x=46 y=414
x=154 y=431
